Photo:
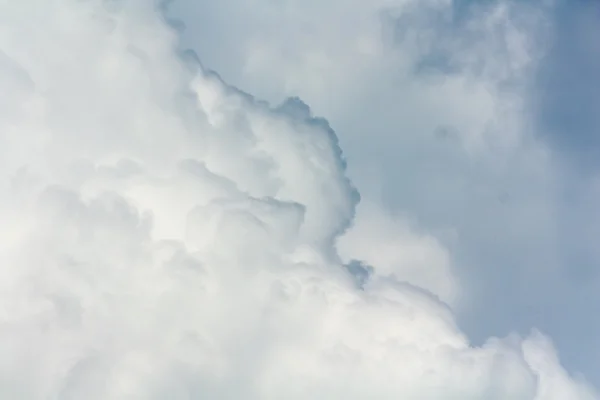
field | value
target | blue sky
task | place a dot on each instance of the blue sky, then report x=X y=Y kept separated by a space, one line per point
x=566 y=96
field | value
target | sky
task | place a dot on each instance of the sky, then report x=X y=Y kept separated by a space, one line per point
x=340 y=199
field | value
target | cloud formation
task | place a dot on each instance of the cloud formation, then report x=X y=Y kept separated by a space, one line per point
x=167 y=236
x=469 y=122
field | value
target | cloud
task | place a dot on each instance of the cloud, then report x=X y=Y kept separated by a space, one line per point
x=467 y=121
x=166 y=235
x=394 y=248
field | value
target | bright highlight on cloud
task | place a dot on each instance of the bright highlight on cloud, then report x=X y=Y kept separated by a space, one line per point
x=166 y=236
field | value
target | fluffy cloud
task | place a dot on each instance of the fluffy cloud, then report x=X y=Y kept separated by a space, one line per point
x=392 y=246
x=470 y=123
x=166 y=235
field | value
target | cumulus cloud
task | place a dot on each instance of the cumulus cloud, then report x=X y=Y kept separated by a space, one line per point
x=467 y=122
x=392 y=246
x=167 y=236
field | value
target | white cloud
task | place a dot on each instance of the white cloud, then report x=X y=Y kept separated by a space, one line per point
x=167 y=236
x=457 y=116
x=393 y=247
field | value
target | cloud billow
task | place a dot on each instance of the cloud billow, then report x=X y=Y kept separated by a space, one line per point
x=166 y=236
